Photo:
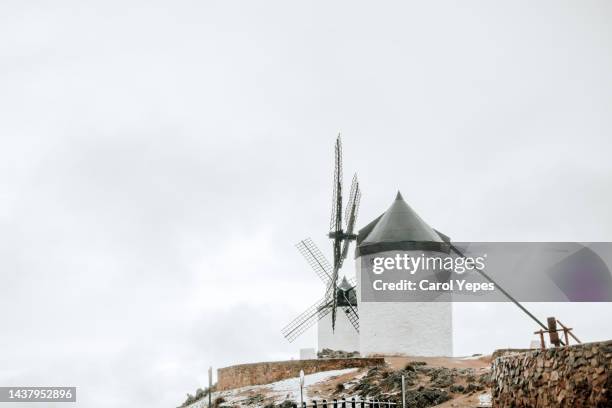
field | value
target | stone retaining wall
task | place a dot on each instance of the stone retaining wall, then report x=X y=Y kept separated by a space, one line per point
x=575 y=376
x=265 y=373
x=507 y=351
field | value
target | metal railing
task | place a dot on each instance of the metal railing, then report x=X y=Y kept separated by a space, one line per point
x=344 y=403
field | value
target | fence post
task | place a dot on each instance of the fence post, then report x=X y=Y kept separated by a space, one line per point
x=353 y=402
x=324 y=404
x=343 y=402
x=304 y=404
x=314 y=404
x=362 y=403
x=335 y=403
x=403 y=391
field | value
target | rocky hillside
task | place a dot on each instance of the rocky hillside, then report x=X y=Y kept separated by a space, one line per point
x=440 y=382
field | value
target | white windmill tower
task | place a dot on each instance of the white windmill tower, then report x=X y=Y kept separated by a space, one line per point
x=404 y=328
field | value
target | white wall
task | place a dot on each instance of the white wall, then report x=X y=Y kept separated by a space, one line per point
x=406 y=328
x=344 y=338
x=308 y=354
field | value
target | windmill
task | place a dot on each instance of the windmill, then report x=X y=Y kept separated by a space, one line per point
x=336 y=295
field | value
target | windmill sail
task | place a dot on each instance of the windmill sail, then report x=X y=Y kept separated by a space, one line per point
x=336 y=225
x=328 y=273
x=335 y=220
x=348 y=301
x=353 y=317
x=352 y=209
x=315 y=259
x=306 y=319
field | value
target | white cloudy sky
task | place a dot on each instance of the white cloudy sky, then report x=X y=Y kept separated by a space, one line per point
x=158 y=160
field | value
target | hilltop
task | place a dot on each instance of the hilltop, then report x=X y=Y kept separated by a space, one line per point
x=442 y=382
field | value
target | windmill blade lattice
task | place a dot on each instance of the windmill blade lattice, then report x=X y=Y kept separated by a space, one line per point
x=315 y=259
x=353 y=317
x=335 y=221
x=352 y=210
x=336 y=232
x=350 y=310
x=306 y=319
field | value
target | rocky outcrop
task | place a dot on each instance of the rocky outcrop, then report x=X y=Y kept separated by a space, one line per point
x=576 y=376
x=329 y=353
x=425 y=386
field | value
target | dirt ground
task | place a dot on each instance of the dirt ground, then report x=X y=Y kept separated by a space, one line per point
x=480 y=364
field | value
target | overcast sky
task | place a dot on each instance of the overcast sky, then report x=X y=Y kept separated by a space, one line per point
x=159 y=160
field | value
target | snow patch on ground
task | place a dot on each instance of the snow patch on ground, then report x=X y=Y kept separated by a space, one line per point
x=291 y=386
x=277 y=391
x=476 y=357
x=484 y=400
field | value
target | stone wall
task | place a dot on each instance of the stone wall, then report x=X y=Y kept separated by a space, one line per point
x=507 y=351
x=575 y=376
x=265 y=373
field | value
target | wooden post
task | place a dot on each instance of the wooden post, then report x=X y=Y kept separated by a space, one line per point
x=569 y=331
x=542 y=341
x=552 y=331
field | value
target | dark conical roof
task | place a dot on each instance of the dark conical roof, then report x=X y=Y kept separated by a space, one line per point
x=398 y=228
x=345 y=285
x=346 y=294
